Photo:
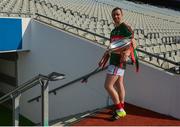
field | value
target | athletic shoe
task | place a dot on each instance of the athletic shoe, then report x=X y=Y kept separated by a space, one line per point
x=121 y=113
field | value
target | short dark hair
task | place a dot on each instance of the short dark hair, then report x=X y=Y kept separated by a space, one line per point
x=117 y=8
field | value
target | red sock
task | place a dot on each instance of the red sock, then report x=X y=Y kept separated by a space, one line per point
x=122 y=105
x=119 y=106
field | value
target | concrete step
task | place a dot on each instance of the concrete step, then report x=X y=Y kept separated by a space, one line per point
x=69 y=120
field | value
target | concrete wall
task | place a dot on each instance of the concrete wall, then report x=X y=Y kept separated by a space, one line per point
x=8 y=68
x=153 y=89
x=55 y=50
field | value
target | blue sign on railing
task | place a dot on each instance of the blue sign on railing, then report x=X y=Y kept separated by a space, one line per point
x=10 y=34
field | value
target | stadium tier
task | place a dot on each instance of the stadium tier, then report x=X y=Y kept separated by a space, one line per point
x=156 y=30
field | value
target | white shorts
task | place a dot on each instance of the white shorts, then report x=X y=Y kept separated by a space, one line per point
x=114 y=70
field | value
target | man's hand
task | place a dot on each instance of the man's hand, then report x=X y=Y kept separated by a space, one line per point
x=125 y=54
x=134 y=43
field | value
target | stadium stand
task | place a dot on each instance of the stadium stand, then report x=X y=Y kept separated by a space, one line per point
x=156 y=30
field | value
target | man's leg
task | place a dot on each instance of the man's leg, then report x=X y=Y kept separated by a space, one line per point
x=109 y=86
x=121 y=92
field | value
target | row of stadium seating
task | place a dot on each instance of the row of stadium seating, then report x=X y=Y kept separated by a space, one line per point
x=89 y=8
x=146 y=9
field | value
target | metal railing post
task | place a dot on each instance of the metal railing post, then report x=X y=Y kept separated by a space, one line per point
x=44 y=102
x=16 y=109
x=15 y=95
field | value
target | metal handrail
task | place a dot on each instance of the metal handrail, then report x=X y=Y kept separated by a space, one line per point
x=69 y=25
x=159 y=57
x=67 y=84
x=139 y=50
x=16 y=94
x=29 y=84
x=22 y=88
